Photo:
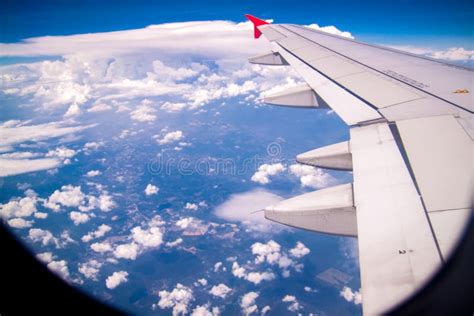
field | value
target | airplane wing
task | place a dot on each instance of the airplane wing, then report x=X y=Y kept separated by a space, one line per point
x=410 y=150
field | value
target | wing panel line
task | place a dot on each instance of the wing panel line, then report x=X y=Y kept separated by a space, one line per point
x=332 y=80
x=401 y=148
x=378 y=71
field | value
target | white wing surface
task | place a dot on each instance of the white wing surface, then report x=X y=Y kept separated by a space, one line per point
x=410 y=149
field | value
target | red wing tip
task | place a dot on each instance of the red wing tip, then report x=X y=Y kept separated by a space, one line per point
x=255 y=20
x=256 y=23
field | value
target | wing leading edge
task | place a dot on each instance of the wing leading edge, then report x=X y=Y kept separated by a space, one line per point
x=410 y=149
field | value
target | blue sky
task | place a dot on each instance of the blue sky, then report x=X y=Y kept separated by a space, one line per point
x=435 y=23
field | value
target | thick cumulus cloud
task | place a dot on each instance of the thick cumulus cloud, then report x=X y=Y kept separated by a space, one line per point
x=178 y=299
x=312 y=177
x=170 y=137
x=255 y=277
x=294 y=304
x=247 y=303
x=72 y=196
x=116 y=279
x=151 y=189
x=127 y=71
x=220 y=290
x=45 y=237
x=60 y=268
x=351 y=296
x=309 y=176
x=300 y=250
x=79 y=218
x=101 y=247
x=20 y=207
x=264 y=172
x=141 y=239
x=19 y=223
x=90 y=269
x=96 y=68
x=101 y=231
x=272 y=254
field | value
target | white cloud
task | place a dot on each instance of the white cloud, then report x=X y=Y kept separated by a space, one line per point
x=12 y=167
x=454 y=54
x=202 y=282
x=45 y=257
x=101 y=247
x=79 y=218
x=126 y=251
x=331 y=30
x=41 y=235
x=217 y=266
x=449 y=54
x=41 y=215
x=269 y=252
x=265 y=310
x=19 y=223
x=19 y=207
x=173 y=106
x=175 y=243
x=245 y=207
x=220 y=290
x=254 y=277
x=176 y=74
x=312 y=177
x=351 y=296
x=91 y=79
x=143 y=113
x=151 y=189
x=20 y=155
x=93 y=173
x=294 y=306
x=92 y=146
x=191 y=206
x=300 y=250
x=73 y=110
x=257 y=277
x=16 y=132
x=69 y=196
x=178 y=299
x=184 y=222
x=116 y=279
x=72 y=196
x=60 y=268
x=61 y=153
x=247 y=303
x=309 y=289
x=173 y=37
x=106 y=203
x=99 y=107
x=203 y=310
x=152 y=237
x=238 y=271
x=100 y=232
x=171 y=137
x=90 y=269
x=267 y=170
